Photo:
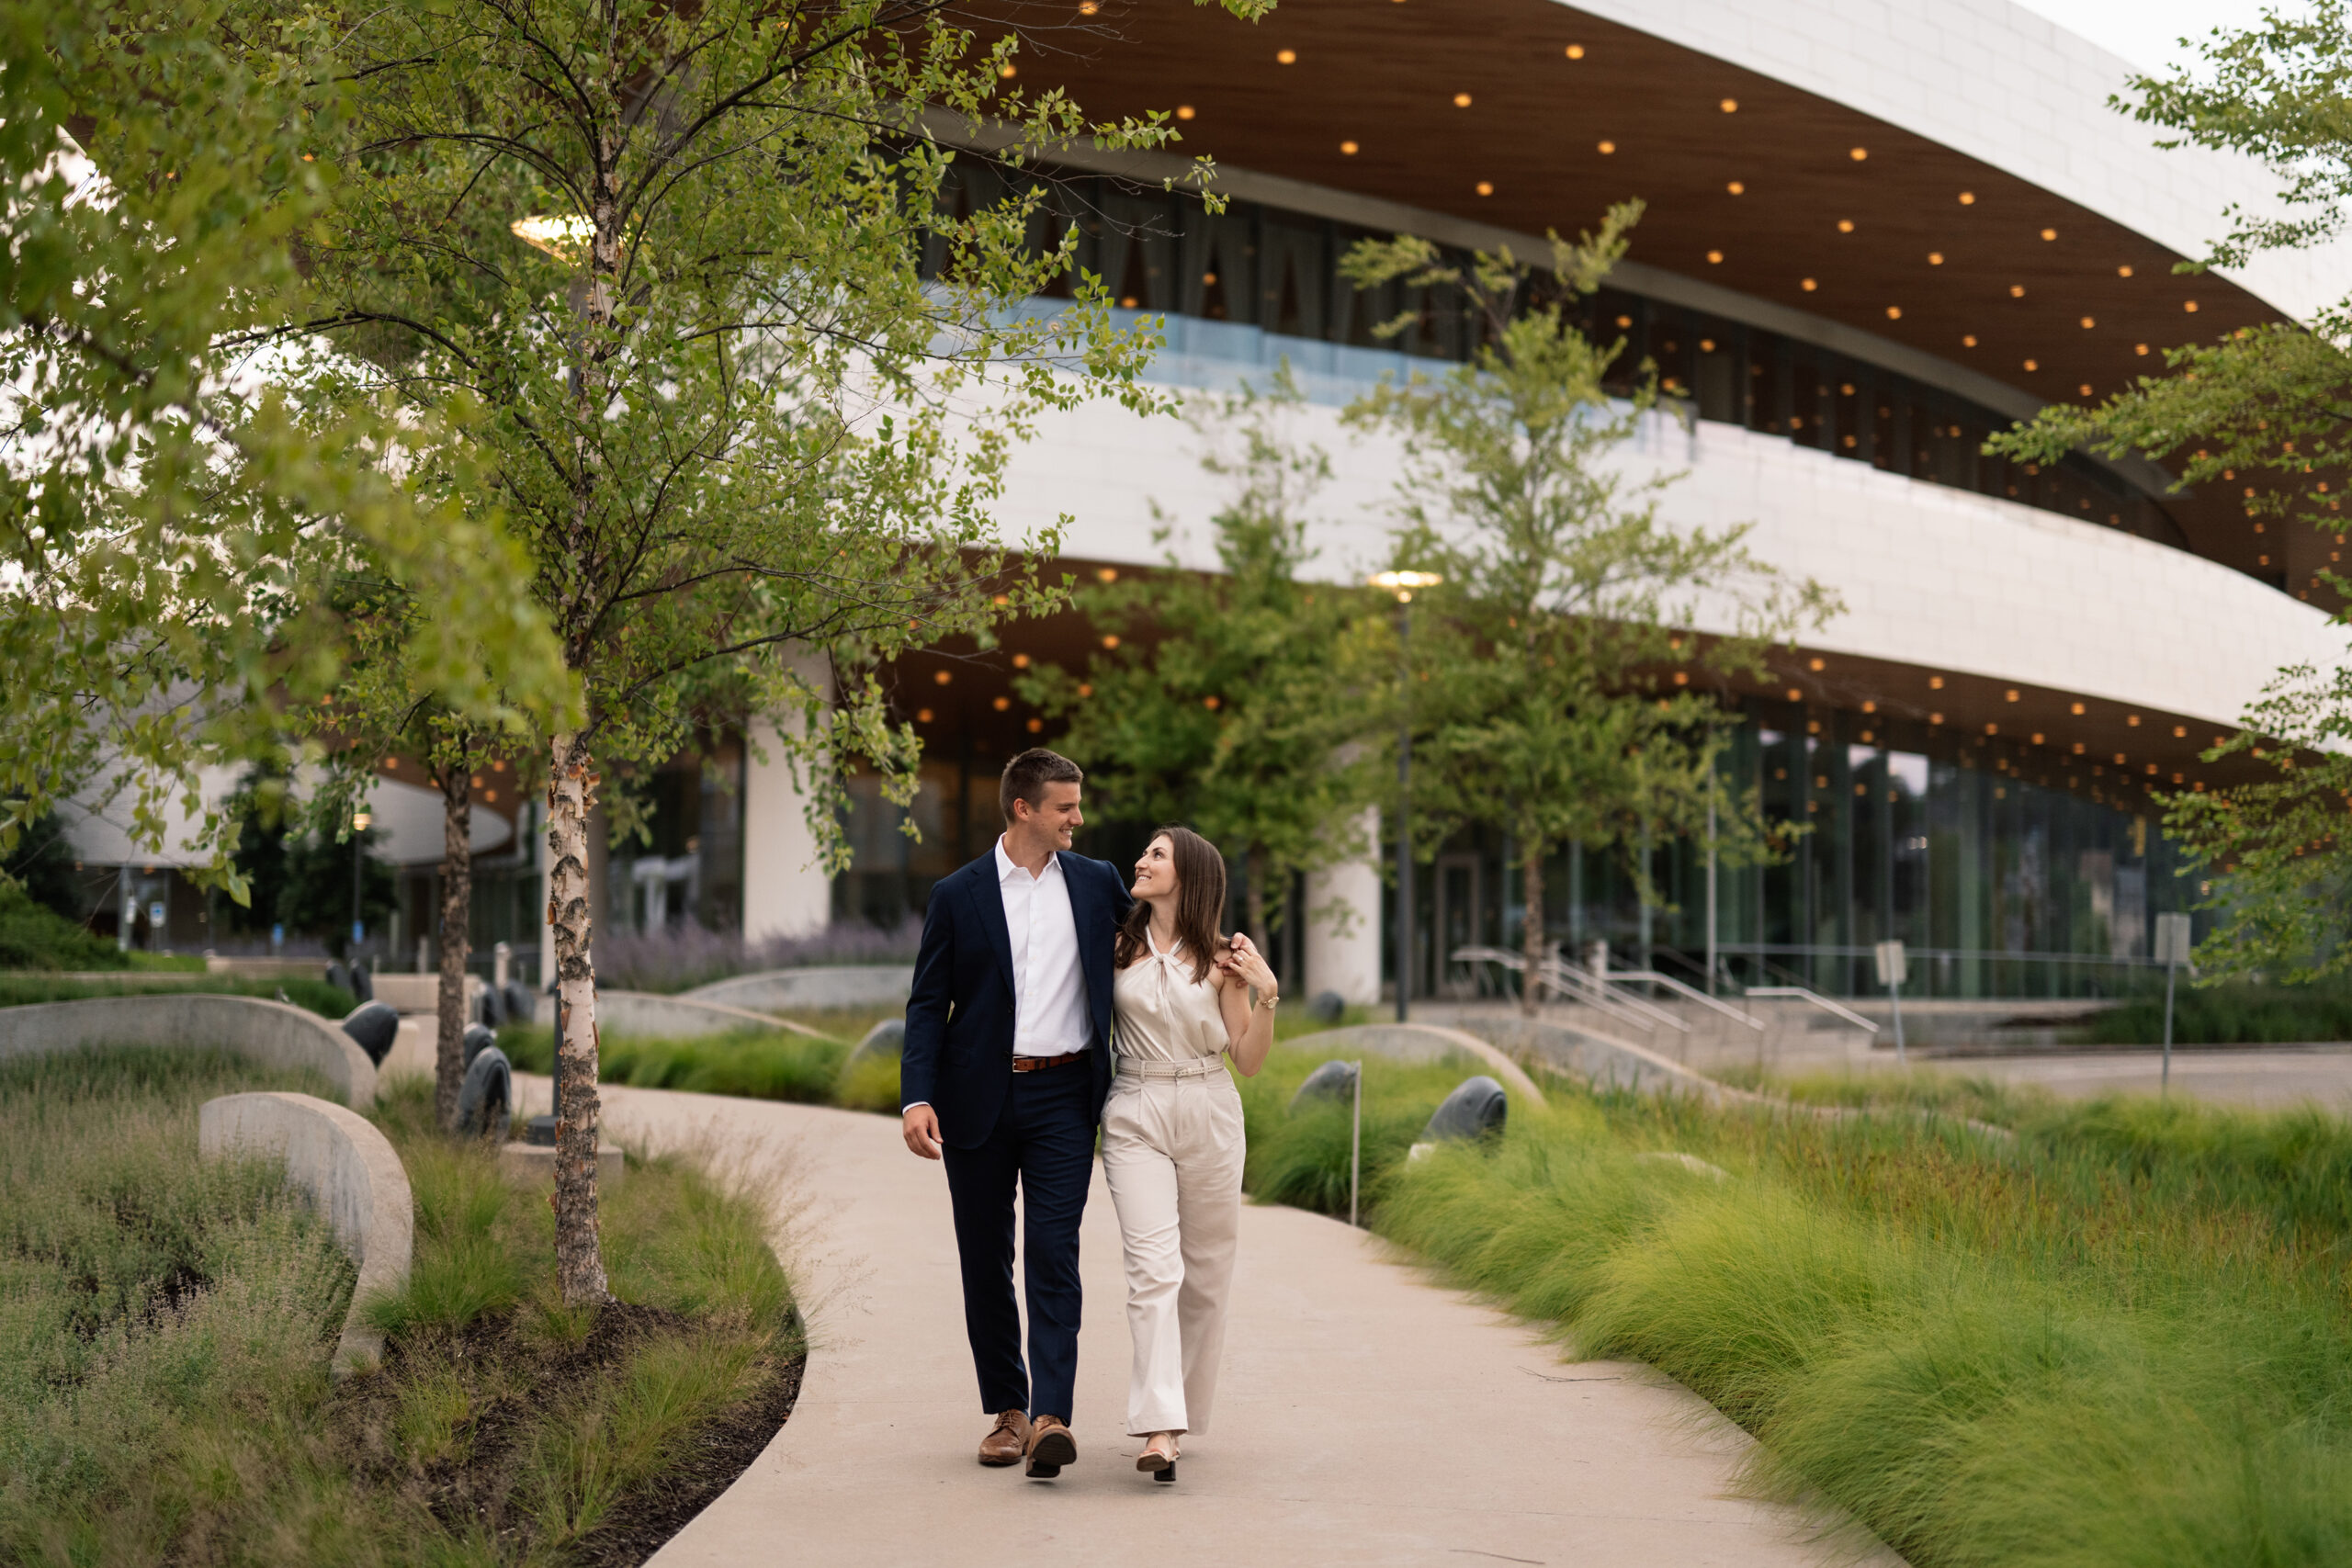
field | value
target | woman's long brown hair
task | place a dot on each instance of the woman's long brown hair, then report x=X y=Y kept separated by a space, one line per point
x=1200 y=904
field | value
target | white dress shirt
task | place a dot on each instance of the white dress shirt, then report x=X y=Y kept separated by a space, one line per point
x=1048 y=985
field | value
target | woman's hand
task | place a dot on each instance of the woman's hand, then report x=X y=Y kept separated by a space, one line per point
x=1243 y=962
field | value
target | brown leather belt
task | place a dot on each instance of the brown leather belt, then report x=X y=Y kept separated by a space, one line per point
x=1042 y=1064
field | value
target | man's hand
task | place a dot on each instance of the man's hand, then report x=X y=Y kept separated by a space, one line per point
x=921 y=1128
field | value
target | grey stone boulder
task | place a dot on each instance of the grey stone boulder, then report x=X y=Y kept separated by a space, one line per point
x=1476 y=1110
x=1333 y=1081
x=477 y=1040
x=1326 y=1007
x=486 y=1100
x=521 y=1006
x=373 y=1026
x=887 y=1039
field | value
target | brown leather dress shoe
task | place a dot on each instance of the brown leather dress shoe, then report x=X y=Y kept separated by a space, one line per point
x=1050 y=1448
x=1008 y=1439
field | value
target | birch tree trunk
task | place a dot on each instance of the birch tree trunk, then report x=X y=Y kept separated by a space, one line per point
x=579 y=1258
x=1531 y=927
x=456 y=933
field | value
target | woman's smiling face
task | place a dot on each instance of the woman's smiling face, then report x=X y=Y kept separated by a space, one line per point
x=1156 y=872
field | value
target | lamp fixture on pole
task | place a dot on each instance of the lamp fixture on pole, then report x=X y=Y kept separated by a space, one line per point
x=1402 y=584
x=359 y=820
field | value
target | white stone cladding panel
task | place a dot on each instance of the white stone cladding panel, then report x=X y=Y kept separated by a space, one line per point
x=1941 y=579
x=1992 y=80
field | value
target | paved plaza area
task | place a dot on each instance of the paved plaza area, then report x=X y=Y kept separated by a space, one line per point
x=2271 y=1079
x=1365 y=1418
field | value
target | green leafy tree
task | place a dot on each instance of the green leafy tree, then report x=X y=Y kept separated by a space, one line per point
x=1237 y=701
x=2267 y=410
x=166 y=518
x=662 y=267
x=1550 y=683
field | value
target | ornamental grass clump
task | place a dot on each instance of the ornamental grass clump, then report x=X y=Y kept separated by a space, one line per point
x=2121 y=1338
x=167 y=1324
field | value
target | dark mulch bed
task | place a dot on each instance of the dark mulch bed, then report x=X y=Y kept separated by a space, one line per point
x=512 y=1378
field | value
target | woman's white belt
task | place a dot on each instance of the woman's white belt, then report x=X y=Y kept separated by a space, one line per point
x=1144 y=1067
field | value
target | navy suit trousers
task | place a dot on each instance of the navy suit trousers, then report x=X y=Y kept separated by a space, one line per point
x=1043 y=1144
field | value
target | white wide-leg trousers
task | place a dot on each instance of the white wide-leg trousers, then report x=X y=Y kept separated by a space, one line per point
x=1172 y=1152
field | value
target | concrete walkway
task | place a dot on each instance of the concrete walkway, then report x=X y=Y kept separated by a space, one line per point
x=1364 y=1417
x=2266 y=1079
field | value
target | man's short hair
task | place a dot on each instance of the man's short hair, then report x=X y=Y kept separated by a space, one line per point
x=1027 y=776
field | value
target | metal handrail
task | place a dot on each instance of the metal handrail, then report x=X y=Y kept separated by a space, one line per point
x=1562 y=979
x=1598 y=985
x=1800 y=993
x=1679 y=989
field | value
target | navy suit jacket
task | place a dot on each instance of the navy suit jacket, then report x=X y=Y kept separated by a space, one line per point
x=958 y=1050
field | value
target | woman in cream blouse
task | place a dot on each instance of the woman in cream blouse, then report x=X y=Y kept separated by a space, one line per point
x=1183 y=998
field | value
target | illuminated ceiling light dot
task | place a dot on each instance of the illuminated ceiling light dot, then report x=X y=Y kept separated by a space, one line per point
x=1817 y=664
x=2140 y=348
x=2017 y=290
x=942 y=676
x=1006 y=71
x=1736 y=188
x=1935 y=258
x=2122 y=272
x=1714 y=258
x=2010 y=695
x=1729 y=105
x=1349 y=148
x=2049 y=233
x=1968 y=339
x=1576 y=52
x=1486 y=188
x=1707 y=346
x=1462 y=100
x=2088 y=324
x=1808 y=285
x=1285 y=57
x=2189 y=306
x=1845 y=225
x=1625 y=321
x=922 y=716
x=1609 y=147
x=2033 y=364
x=1088 y=7
x=1795 y=695
x=1934 y=683
x=1184 y=111
x=1935 y=718
x=2085 y=390
x=1857 y=153
x=1000 y=704
x=1895 y=312
x=1968 y=199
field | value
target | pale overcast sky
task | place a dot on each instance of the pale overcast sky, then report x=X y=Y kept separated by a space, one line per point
x=2144 y=32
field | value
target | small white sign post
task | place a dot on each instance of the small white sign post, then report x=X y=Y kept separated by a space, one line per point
x=1892 y=970
x=2172 y=951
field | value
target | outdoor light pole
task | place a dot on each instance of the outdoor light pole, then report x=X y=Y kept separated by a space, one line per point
x=1402 y=583
x=359 y=820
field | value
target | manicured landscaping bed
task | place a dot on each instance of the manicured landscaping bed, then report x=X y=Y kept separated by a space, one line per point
x=2122 y=1338
x=164 y=1330
x=23 y=988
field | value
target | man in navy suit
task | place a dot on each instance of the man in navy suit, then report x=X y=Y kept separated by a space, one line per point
x=1006 y=1065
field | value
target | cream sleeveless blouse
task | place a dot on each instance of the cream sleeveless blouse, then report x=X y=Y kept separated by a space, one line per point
x=1161 y=1013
